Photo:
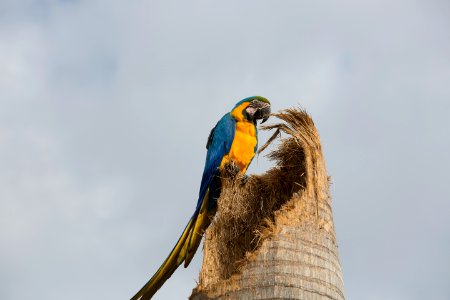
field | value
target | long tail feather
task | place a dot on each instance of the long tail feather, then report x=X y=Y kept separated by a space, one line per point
x=202 y=222
x=184 y=250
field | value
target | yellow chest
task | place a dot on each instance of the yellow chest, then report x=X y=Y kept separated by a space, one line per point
x=243 y=146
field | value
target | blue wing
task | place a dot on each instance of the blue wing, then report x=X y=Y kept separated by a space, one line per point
x=219 y=145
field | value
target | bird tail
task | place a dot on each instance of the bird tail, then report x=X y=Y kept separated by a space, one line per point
x=184 y=250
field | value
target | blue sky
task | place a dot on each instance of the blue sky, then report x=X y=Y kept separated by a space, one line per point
x=105 y=108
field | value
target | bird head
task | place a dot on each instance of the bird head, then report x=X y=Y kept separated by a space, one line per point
x=254 y=108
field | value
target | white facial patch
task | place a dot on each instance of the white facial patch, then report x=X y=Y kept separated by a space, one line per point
x=250 y=110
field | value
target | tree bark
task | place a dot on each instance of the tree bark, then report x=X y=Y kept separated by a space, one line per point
x=273 y=237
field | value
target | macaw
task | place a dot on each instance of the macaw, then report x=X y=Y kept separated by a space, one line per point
x=234 y=138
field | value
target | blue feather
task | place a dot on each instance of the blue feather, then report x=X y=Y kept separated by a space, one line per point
x=219 y=144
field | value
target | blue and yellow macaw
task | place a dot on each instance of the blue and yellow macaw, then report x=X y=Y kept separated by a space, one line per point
x=234 y=138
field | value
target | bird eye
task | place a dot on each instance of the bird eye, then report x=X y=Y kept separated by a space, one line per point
x=253 y=103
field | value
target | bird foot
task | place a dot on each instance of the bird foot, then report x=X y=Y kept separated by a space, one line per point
x=231 y=169
x=244 y=179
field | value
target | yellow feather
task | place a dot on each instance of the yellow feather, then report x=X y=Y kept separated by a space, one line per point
x=184 y=250
x=167 y=268
x=201 y=223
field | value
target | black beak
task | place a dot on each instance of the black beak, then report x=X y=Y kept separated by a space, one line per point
x=263 y=113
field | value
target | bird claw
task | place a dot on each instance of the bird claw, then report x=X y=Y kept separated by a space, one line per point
x=232 y=169
x=244 y=179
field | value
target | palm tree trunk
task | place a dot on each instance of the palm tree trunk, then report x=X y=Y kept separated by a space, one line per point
x=273 y=237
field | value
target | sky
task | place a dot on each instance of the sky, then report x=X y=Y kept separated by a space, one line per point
x=105 y=108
